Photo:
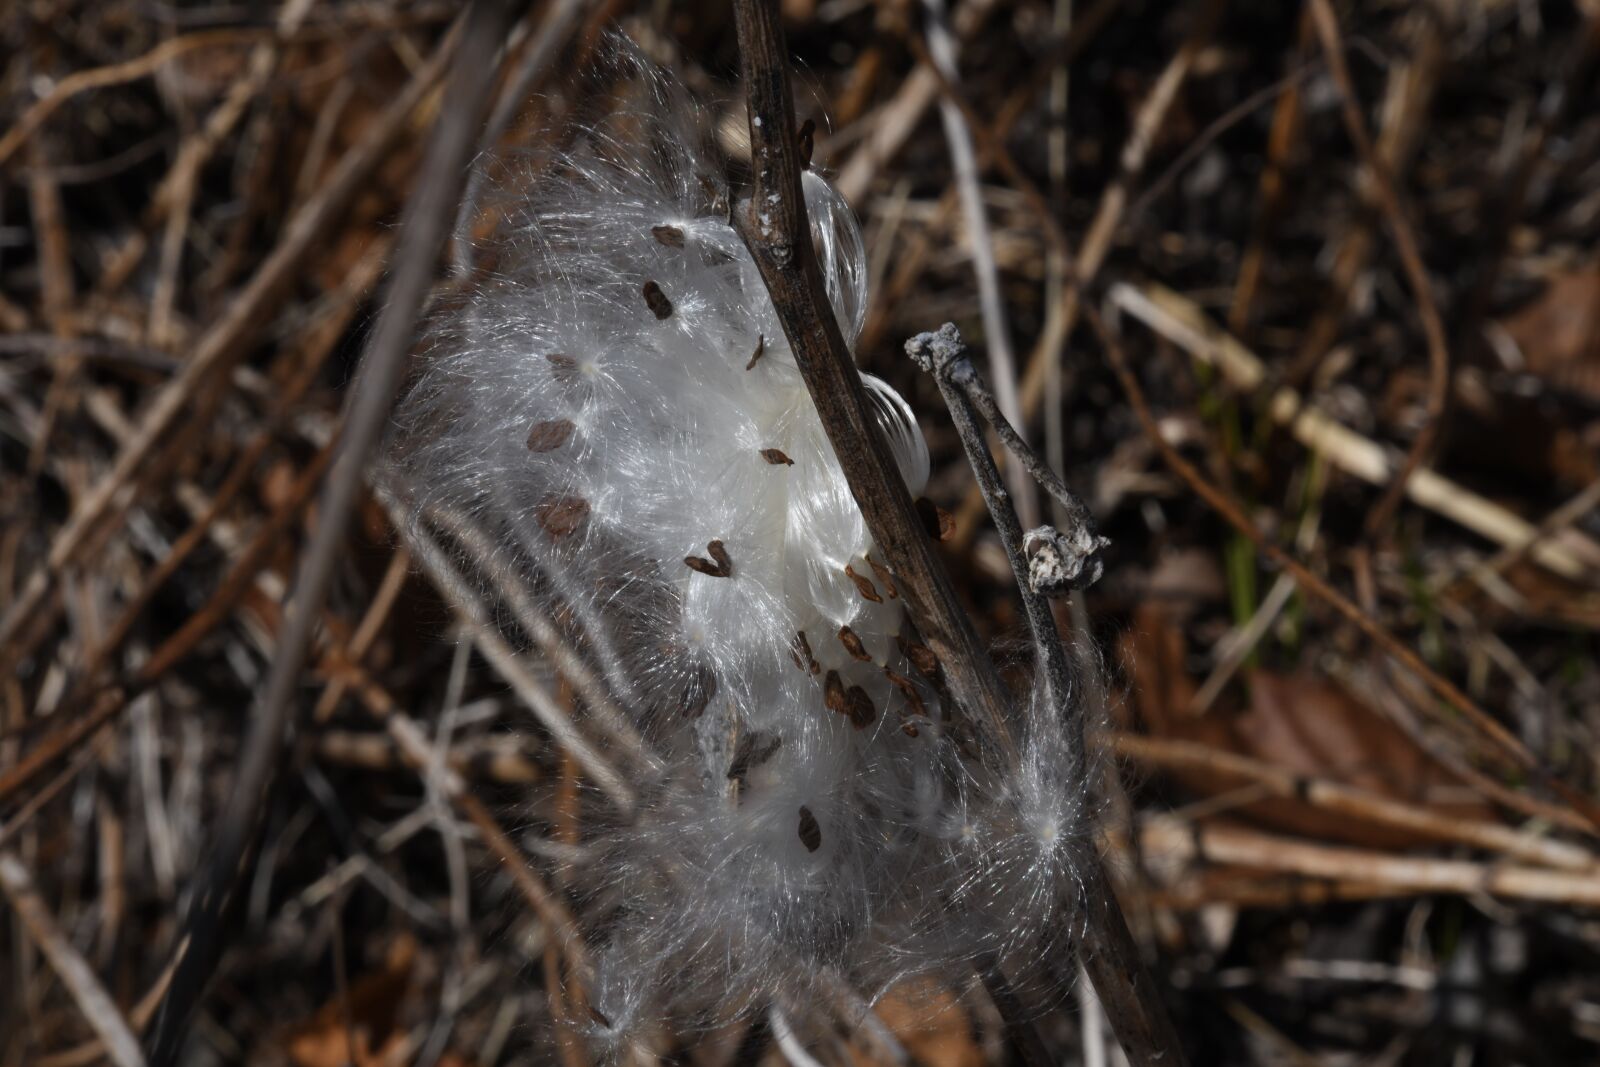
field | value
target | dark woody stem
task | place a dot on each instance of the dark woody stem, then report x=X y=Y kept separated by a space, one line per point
x=1110 y=955
x=777 y=232
x=944 y=356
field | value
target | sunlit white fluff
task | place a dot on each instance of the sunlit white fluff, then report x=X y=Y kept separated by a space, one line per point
x=606 y=442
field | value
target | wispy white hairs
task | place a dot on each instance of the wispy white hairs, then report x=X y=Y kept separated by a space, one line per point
x=616 y=404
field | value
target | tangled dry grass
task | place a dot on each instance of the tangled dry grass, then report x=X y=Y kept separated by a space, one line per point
x=1302 y=298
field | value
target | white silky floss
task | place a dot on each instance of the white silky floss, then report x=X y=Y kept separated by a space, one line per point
x=618 y=405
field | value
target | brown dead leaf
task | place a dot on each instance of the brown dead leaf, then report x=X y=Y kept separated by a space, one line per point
x=1559 y=332
x=360 y=1030
x=1299 y=722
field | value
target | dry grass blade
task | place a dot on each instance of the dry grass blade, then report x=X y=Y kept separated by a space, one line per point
x=423 y=234
x=98 y=1009
x=1327 y=26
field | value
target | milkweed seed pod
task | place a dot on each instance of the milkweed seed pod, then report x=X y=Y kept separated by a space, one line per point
x=617 y=407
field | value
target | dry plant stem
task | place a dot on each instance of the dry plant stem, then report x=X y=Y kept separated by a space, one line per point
x=1114 y=201
x=1076 y=511
x=944 y=357
x=423 y=232
x=94 y=1003
x=1359 y=804
x=1110 y=955
x=996 y=326
x=118 y=74
x=1502 y=740
x=1167 y=838
x=1181 y=321
x=1327 y=27
x=1025 y=1036
x=222 y=347
x=775 y=228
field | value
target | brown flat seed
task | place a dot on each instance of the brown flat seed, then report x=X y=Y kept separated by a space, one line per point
x=800 y=649
x=549 y=435
x=833 y=694
x=884 y=577
x=922 y=658
x=908 y=689
x=750 y=755
x=761 y=350
x=810 y=831
x=561 y=515
x=718 y=566
x=776 y=457
x=702 y=689
x=659 y=305
x=940 y=524
x=852 y=644
x=562 y=367
x=859 y=707
x=598 y=1016
x=864 y=585
x=670 y=236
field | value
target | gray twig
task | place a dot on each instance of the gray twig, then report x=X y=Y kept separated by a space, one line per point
x=426 y=224
x=1110 y=955
x=1058 y=562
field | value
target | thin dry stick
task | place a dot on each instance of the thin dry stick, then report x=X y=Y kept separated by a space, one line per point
x=222 y=347
x=1108 y=214
x=103 y=77
x=423 y=233
x=1357 y=803
x=1181 y=321
x=1405 y=242
x=96 y=1005
x=1497 y=735
x=779 y=239
x=1169 y=838
x=996 y=325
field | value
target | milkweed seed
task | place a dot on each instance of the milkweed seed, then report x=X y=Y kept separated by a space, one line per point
x=702 y=690
x=908 y=689
x=833 y=694
x=549 y=435
x=884 y=577
x=810 y=831
x=559 y=516
x=718 y=566
x=859 y=707
x=852 y=644
x=659 y=305
x=864 y=585
x=598 y=1016
x=671 y=236
x=800 y=650
x=776 y=457
x=563 y=368
x=761 y=350
x=749 y=755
